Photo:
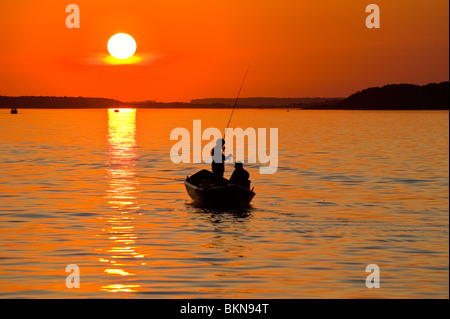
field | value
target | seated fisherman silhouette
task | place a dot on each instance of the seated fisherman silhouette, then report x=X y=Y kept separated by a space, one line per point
x=240 y=176
x=218 y=161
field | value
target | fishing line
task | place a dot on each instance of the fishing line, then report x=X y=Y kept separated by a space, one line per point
x=163 y=178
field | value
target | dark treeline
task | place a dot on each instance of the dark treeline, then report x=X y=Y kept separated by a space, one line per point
x=266 y=101
x=390 y=97
x=397 y=97
x=245 y=103
x=55 y=102
x=82 y=102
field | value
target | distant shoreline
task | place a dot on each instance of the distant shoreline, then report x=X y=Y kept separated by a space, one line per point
x=438 y=109
x=390 y=97
x=239 y=107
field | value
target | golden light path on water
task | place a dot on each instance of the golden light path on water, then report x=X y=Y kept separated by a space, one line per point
x=120 y=228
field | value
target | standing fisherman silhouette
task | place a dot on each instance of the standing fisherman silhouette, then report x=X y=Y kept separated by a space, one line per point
x=218 y=157
x=218 y=161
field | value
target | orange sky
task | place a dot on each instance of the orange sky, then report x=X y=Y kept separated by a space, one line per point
x=198 y=48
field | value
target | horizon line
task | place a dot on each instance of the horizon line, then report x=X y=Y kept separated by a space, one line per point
x=216 y=98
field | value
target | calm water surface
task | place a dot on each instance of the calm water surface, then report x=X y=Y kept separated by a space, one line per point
x=353 y=188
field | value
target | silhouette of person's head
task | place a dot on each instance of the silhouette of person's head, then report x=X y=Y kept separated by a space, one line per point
x=238 y=165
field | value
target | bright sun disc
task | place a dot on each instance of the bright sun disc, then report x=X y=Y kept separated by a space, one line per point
x=121 y=46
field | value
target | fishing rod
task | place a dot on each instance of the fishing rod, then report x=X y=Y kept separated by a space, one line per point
x=229 y=121
x=235 y=102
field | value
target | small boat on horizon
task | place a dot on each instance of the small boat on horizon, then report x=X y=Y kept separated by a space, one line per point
x=205 y=194
x=116 y=110
x=14 y=111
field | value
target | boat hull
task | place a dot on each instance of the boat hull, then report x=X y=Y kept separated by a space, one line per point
x=229 y=196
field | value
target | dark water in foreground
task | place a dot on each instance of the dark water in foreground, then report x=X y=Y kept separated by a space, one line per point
x=353 y=188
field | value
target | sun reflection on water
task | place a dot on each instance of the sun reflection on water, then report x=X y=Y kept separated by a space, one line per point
x=121 y=197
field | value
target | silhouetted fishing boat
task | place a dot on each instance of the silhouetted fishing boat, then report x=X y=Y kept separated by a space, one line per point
x=13 y=111
x=205 y=193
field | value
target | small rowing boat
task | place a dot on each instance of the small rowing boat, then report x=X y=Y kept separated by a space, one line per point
x=205 y=193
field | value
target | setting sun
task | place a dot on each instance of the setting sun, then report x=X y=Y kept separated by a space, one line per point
x=121 y=46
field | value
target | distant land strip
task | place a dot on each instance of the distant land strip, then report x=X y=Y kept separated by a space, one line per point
x=433 y=96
